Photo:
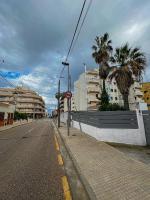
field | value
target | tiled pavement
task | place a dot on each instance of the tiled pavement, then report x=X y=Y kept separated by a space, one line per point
x=109 y=173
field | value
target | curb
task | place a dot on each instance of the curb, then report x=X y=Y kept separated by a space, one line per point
x=6 y=128
x=82 y=178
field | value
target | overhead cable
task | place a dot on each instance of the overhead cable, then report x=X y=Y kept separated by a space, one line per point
x=76 y=29
x=82 y=24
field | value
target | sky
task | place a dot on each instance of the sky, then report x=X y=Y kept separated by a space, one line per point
x=35 y=36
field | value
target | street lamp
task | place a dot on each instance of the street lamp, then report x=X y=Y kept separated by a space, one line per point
x=58 y=98
x=68 y=99
x=86 y=87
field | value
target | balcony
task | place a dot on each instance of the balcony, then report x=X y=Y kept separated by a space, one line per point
x=93 y=80
x=92 y=107
x=138 y=93
x=93 y=101
x=92 y=72
x=29 y=106
x=137 y=85
x=93 y=90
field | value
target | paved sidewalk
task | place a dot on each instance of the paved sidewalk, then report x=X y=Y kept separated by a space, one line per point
x=107 y=173
x=18 y=123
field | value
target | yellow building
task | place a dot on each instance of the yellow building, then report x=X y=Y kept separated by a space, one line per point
x=146 y=92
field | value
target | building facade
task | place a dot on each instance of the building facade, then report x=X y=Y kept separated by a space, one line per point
x=88 y=88
x=64 y=106
x=6 y=113
x=145 y=88
x=25 y=101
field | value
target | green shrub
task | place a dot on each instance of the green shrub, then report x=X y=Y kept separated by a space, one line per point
x=18 y=116
x=114 y=107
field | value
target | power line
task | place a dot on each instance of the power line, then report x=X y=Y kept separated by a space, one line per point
x=82 y=24
x=75 y=30
x=78 y=22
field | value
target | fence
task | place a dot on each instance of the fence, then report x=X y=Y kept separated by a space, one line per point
x=109 y=119
x=146 y=118
x=125 y=127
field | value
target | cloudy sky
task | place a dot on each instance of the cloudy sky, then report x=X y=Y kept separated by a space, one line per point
x=35 y=36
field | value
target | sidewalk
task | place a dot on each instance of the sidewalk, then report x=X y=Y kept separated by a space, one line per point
x=107 y=173
x=18 y=123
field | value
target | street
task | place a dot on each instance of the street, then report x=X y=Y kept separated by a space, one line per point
x=29 y=167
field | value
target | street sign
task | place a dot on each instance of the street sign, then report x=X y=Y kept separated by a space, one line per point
x=68 y=95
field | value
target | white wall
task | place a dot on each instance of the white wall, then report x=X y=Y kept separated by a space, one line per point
x=63 y=117
x=124 y=136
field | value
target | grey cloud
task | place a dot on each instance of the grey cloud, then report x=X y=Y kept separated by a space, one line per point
x=37 y=33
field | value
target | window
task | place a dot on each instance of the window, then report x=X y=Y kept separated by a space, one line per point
x=115 y=90
x=145 y=91
x=111 y=98
x=135 y=98
x=111 y=90
x=116 y=98
x=97 y=95
x=147 y=98
x=114 y=83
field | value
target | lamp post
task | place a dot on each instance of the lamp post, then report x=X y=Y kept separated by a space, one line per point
x=58 y=109
x=68 y=99
x=58 y=98
x=86 y=87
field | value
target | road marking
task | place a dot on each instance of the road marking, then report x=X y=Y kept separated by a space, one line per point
x=67 y=193
x=60 y=160
x=30 y=130
x=56 y=143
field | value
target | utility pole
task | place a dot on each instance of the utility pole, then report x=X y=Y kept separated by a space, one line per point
x=85 y=71
x=58 y=108
x=68 y=100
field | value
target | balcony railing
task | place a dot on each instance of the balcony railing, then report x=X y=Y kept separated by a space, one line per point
x=93 y=90
x=92 y=79
x=138 y=93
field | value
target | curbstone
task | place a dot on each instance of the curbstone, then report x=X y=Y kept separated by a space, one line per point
x=82 y=178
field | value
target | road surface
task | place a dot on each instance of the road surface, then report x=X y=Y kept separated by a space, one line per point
x=29 y=168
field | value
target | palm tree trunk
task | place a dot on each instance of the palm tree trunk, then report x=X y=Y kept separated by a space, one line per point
x=126 y=101
x=104 y=84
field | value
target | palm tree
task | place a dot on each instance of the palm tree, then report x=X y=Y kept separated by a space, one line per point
x=102 y=53
x=129 y=66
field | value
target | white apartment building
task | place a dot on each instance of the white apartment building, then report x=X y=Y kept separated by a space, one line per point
x=86 y=90
x=135 y=95
x=64 y=106
x=88 y=87
x=25 y=101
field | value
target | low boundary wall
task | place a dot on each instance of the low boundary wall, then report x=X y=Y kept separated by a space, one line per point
x=124 y=127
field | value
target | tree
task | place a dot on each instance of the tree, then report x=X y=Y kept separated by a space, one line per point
x=18 y=116
x=102 y=53
x=129 y=66
x=58 y=96
x=104 y=101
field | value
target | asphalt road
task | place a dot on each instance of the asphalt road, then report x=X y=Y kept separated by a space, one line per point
x=29 y=168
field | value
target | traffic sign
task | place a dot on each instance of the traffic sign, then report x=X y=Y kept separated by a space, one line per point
x=68 y=95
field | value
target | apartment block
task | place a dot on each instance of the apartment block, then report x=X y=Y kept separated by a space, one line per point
x=86 y=90
x=145 y=88
x=64 y=106
x=89 y=86
x=25 y=101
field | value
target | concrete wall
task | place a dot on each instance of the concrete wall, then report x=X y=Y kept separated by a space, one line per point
x=63 y=117
x=109 y=119
x=117 y=135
